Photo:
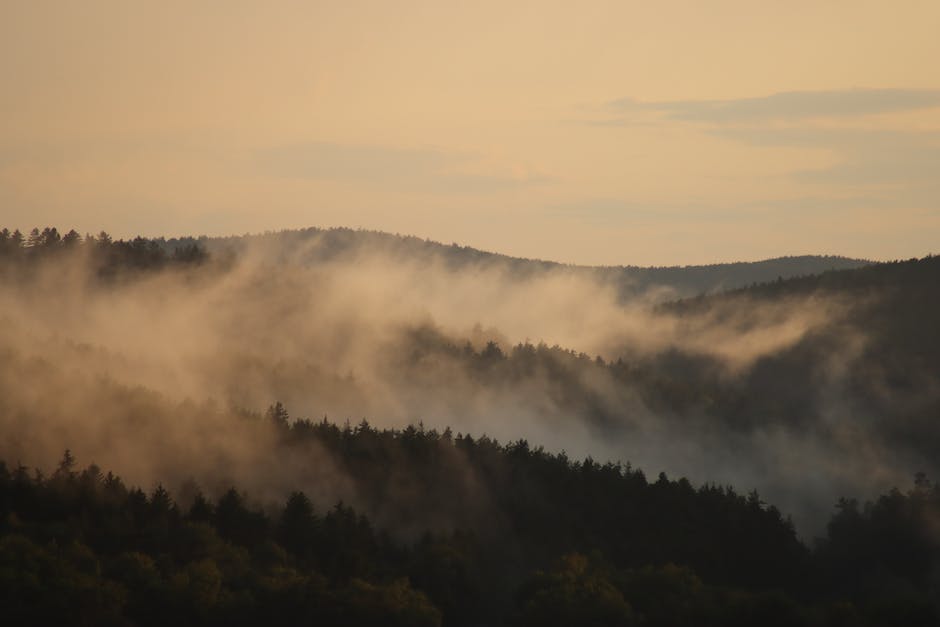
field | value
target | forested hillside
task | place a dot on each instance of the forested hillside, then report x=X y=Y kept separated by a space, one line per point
x=156 y=359
x=355 y=324
x=541 y=540
x=325 y=245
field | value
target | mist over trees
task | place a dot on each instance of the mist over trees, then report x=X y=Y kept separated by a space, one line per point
x=559 y=542
x=156 y=358
x=325 y=245
x=106 y=257
x=724 y=387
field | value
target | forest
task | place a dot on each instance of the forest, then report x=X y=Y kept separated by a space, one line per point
x=630 y=281
x=561 y=542
x=493 y=424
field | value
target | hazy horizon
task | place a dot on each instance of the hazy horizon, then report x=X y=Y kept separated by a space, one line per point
x=609 y=134
x=445 y=314
x=362 y=328
x=127 y=236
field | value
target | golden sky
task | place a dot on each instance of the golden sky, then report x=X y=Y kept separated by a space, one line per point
x=667 y=132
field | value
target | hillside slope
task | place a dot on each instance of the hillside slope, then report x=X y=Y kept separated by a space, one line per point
x=806 y=389
x=322 y=245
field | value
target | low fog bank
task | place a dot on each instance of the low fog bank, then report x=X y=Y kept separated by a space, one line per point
x=630 y=282
x=162 y=375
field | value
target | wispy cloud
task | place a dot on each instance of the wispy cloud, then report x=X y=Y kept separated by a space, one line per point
x=790 y=105
x=873 y=159
x=905 y=160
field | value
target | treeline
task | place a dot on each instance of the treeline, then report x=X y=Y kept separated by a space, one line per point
x=321 y=245
x=109 y=257
x=883 y=338
x=82 y=548
x=880 y=348
x=565 y=543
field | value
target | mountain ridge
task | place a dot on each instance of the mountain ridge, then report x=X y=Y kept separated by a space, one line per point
x=631 y=280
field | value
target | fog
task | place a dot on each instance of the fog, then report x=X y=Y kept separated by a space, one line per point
x=161 y=376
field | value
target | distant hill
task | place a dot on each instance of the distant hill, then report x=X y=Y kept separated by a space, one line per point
x=712 y=278
x=669 y=281
x=807 y=388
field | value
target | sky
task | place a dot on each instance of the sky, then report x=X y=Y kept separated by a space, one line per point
x=674 y=132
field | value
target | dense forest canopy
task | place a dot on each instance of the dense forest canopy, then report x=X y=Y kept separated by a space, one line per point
x=155 y=358
x=322 y=245
x=831 y=377
x=554 y=541
x=325 y=245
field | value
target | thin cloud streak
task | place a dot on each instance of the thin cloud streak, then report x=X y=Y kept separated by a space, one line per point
x=790 y=105
x=896 y=168
x=867 y=158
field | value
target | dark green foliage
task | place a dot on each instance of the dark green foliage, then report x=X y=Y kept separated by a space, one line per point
x=466 y=531
x=574 y=594
x=109 y=259
x=299 y=529
x=81 y=546
x=237 y=523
